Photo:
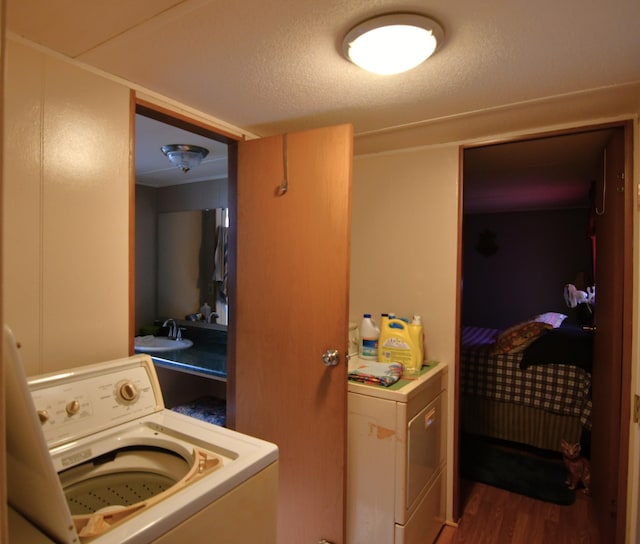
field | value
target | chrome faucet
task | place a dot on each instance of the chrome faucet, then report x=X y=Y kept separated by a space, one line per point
x=173 y=327
x=211 y=316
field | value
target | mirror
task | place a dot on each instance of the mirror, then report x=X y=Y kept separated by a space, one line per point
x=192 y=264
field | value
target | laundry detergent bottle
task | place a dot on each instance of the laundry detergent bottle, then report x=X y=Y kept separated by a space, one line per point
x=397 y=344
x=369 y=334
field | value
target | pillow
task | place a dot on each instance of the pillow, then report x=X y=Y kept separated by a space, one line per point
x=517 y=338
x=554 y=319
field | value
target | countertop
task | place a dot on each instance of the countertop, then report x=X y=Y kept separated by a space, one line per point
x=207 y=357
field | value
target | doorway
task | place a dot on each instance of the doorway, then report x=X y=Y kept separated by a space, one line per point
x=181 y=224
x=548 y=175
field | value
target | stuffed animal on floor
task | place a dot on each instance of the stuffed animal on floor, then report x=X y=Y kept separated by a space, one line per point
x=578 y=467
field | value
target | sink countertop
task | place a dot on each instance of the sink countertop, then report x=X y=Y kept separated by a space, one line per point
x=207 y=357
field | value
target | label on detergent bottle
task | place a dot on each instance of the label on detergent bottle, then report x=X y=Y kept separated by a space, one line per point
x=369 y=334
x=395 y=349
x=369 y=348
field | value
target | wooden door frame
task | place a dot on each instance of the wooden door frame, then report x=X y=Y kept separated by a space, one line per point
x=627 y=333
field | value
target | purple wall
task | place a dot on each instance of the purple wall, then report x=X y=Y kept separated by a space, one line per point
x=537 y=253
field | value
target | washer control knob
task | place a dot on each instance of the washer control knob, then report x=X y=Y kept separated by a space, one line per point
x=128 y=392
x=43 y=416
x=72 y=407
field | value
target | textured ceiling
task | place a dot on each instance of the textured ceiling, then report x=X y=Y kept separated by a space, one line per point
x=272 y=67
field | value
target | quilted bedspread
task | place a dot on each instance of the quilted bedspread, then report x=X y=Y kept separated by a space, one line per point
x=559 y=388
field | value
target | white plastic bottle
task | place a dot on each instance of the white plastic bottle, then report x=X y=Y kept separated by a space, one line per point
x=205 y=310
x=369 y=334
x=417 y=330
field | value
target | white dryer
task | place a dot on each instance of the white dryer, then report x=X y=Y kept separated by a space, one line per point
x=92 y=454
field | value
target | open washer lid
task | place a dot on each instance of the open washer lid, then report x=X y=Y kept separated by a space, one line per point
x=54 y=410
x=30 y=471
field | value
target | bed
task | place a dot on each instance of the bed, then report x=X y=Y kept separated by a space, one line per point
x=529 y=384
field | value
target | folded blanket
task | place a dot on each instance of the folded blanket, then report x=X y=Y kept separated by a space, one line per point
x=377 y=373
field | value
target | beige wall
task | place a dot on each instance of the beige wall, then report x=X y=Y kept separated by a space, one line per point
x=146 y=260
x=404 y=240
x=65 y=212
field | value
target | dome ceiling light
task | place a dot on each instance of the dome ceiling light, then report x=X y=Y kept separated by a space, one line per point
x=393 y=43
x=185 y=156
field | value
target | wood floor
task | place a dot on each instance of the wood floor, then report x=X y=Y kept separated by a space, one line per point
x=495 y=516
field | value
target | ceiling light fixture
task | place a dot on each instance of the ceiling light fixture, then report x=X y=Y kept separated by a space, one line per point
x=185 y=156
x=393 y=43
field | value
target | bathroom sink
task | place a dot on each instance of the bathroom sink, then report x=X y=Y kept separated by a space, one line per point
x=155 y=344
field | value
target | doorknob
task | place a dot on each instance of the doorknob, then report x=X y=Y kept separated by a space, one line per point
x=331 y=357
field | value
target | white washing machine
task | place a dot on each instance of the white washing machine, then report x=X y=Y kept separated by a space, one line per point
x=93 y=455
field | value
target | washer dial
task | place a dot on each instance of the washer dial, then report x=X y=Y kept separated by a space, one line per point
x=72 y=407
x=127 y=392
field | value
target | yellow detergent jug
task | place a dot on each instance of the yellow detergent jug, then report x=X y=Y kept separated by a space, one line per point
x=396 y=343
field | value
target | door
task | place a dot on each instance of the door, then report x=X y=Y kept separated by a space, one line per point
x=612 y=319
x=289 y=306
